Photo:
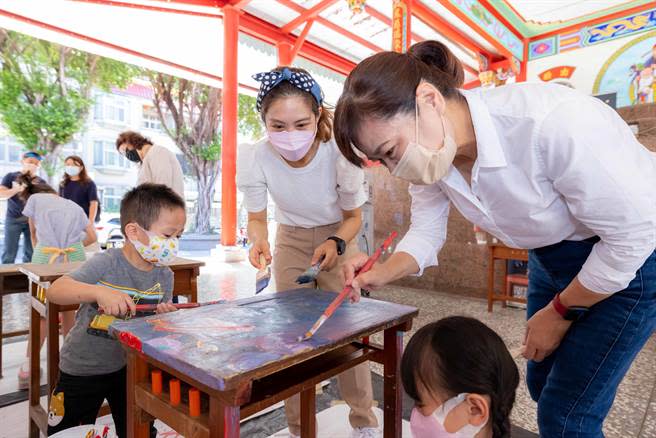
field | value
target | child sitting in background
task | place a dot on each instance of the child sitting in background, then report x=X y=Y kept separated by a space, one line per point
x=59 y=231
x=462 y=378
x=92 y=368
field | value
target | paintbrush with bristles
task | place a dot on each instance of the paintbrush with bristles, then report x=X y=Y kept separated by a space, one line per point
x=263 y=275
x=344 y=293
x=310 y=273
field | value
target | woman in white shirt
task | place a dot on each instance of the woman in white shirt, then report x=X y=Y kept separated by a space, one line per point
x=157 y=164
x=541 y=167
x=318 y=195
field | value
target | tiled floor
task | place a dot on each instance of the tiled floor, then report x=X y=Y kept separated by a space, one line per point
x=633 y=413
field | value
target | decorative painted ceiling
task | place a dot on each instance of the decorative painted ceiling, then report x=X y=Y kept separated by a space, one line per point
x=536 y=17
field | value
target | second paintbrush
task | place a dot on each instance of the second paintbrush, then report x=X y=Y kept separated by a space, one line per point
x=338 y=300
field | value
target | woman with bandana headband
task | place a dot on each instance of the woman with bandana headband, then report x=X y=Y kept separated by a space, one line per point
x=318 y=195
x=541 y=167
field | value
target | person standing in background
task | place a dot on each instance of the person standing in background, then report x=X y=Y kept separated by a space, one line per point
x=79 y=188
x=157 y=164
x=15 y=223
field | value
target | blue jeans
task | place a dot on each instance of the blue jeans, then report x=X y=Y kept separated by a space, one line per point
x=576 y=385
x=13 y=230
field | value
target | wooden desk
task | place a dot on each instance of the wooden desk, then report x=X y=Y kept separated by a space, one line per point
x=12 y=281
x=498 y=251
x=185 y=273
x=244 y=356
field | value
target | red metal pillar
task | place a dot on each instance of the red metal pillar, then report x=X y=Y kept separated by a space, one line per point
x=284 y=49
x=401 y=21
x=229 y=127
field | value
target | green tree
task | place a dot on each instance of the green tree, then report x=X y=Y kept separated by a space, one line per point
x=45 y=91
x=249 y=119
x=190 y=114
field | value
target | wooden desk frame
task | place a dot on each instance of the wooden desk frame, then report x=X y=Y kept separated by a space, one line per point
x=225 y=408
x=504 y=253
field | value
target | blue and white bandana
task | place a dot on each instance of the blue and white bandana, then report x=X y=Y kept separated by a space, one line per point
x=270 y=79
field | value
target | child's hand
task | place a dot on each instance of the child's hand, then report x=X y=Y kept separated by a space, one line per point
x=115 y=303
x=165 y=308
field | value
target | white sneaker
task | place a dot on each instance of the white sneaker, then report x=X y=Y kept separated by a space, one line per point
x=366 y=432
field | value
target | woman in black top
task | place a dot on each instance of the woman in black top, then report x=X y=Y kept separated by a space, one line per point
x=79 y=188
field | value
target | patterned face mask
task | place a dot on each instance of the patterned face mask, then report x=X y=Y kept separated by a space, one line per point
x=159 y=251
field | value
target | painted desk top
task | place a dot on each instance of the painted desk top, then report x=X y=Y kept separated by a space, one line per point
x=221 y=345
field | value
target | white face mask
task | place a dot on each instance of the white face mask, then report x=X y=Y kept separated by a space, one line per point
x=433 y=425
x=30 y=168
x=72 y=170
x=424 y=165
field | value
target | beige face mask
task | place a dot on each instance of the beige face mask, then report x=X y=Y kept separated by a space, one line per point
x=422 y=165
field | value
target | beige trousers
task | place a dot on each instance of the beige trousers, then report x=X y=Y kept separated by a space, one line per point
x=291 y=256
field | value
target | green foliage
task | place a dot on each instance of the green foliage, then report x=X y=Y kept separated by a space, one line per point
x=250 y=123
x=45 y=91
x=211 y=151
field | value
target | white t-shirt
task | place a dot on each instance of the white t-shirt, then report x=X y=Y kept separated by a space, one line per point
x=160 y=166
x=307 y=197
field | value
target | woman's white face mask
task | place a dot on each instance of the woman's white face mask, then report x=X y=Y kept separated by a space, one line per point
x=426 y=164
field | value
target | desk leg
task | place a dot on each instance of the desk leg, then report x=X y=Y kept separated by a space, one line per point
x=393 y=349
x=35 y=377
x=224 y=420
x=52 y=334
x=194 y=285
x=504 y=303
x=137 y=372
x=308 y=413
x=490 y=280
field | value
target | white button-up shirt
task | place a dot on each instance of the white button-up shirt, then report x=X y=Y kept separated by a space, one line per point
x=553 y=164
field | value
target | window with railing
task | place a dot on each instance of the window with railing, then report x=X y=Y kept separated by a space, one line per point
x=105 y=155
x=10 y=150
x=112 y=109
x=150 y=118
x=72 y=148
x=111 y=197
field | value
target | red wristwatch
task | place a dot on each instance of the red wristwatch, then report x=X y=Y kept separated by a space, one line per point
x=568 y=313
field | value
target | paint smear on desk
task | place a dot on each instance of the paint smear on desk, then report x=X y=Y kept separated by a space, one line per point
x=218 y=342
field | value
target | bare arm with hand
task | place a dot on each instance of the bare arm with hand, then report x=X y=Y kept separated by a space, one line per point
x=352 y=221
x=259 y=235
x=67 y=291
x=399 y=265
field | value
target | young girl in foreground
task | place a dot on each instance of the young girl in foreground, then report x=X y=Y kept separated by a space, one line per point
x=462 y=378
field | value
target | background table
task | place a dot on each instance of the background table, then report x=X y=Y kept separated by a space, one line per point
x=12 y=281
x=244 y=356
x=498 y=251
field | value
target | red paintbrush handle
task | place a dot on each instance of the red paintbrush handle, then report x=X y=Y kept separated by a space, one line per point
x=150 y=307
x=366 y=267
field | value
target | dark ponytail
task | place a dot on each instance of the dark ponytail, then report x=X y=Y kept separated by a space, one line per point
x=463 y=355
x=438 y=56
x=32 y=186
x=385 y=85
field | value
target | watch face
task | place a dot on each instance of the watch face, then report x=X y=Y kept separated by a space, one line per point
x=575 y=313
